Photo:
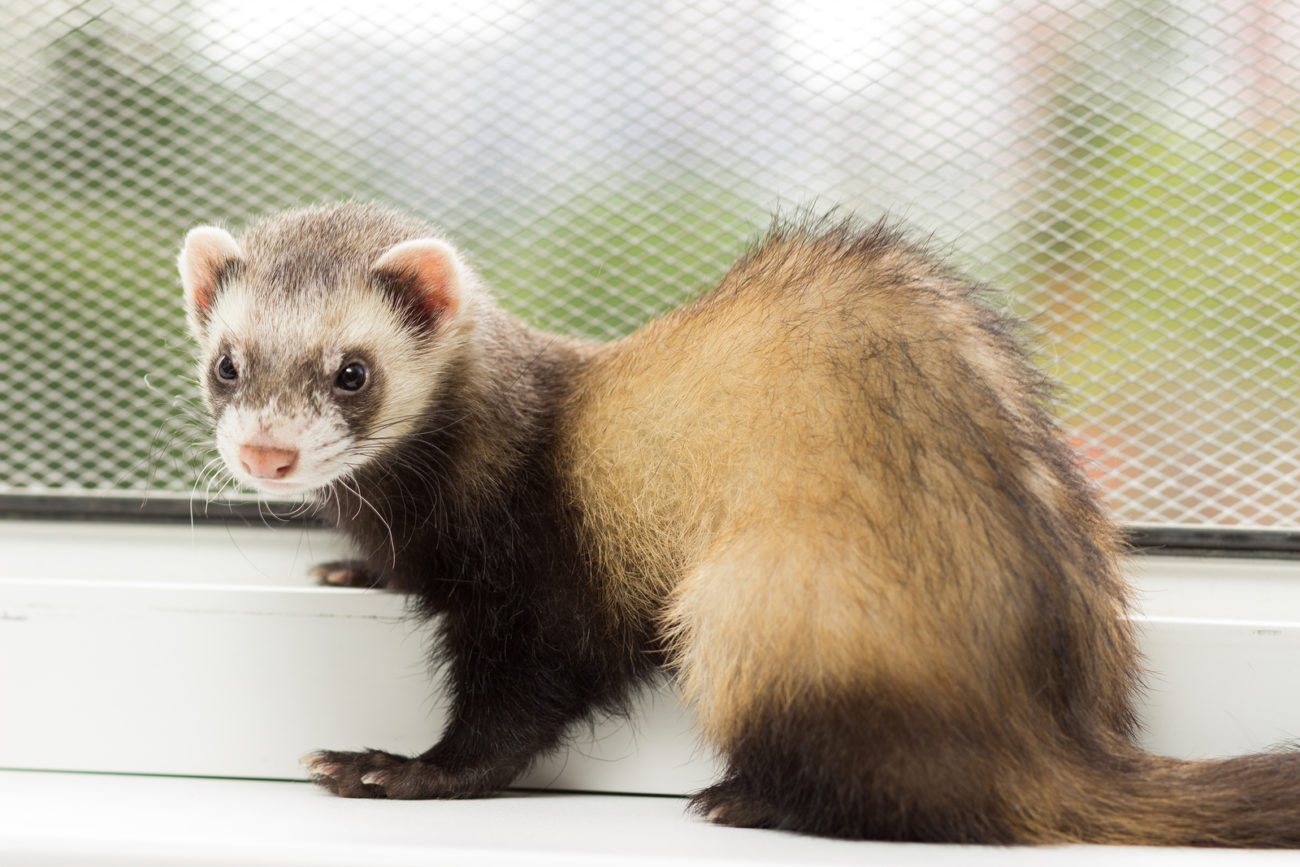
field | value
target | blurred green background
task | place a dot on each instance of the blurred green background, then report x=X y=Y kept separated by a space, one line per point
x=1125 y=171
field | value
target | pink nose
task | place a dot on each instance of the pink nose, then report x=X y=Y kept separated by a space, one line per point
x=262 y=462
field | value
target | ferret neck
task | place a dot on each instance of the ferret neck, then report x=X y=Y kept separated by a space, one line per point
x=487 y=436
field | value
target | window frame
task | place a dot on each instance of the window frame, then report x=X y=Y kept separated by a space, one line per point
x=166 y=508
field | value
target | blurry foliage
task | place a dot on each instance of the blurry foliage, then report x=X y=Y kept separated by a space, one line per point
x=103 y=178
x=617 y=253
x=1160 y=256
x=1157 y=247
x=124 y=155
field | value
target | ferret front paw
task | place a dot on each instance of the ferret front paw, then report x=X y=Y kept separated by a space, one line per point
x=376 y=774
x=346 y=573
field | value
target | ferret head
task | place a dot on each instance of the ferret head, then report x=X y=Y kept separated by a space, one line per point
x=322 y=336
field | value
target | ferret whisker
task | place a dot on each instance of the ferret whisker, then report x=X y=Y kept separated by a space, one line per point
x=212 y=474
x=362 y=500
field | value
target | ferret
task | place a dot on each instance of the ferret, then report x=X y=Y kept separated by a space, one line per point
x=828 y=496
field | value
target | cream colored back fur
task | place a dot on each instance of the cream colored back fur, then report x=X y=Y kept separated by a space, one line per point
x=768 y=483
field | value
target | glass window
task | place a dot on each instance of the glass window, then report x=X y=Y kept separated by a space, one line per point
x=1128 y=172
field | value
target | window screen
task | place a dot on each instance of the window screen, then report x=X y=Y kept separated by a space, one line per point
x=1128 y=172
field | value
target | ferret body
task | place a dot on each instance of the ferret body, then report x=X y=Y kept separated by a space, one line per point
x=827 y=495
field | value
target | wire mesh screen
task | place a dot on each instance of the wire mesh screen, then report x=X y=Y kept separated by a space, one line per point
x=1126 y=171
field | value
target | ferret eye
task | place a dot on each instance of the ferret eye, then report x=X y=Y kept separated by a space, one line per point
x=352 y=377
x=226 y=369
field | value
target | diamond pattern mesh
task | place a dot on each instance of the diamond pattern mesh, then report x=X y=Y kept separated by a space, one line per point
x=1129 y=172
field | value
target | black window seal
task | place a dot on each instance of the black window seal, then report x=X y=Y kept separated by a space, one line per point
x=154 y=509
x=173 y=509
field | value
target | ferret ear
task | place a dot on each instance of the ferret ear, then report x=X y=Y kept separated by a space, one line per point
x=207 y=257
x=425 y=278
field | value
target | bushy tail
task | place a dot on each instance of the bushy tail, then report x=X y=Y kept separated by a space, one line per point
x=927 y=786
x=1248 y=801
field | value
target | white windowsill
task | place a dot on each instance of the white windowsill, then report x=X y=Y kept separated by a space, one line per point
x=195 y=616
x=83 y=820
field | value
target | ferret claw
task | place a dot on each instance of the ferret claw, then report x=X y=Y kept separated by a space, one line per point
x=333 y=576
x=319 y=766
x=344 y=573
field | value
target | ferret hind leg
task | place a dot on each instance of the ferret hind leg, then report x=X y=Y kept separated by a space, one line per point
x=828 y=699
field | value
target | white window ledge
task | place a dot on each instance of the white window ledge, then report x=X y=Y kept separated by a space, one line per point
x=208 y=653
x=96 y=820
